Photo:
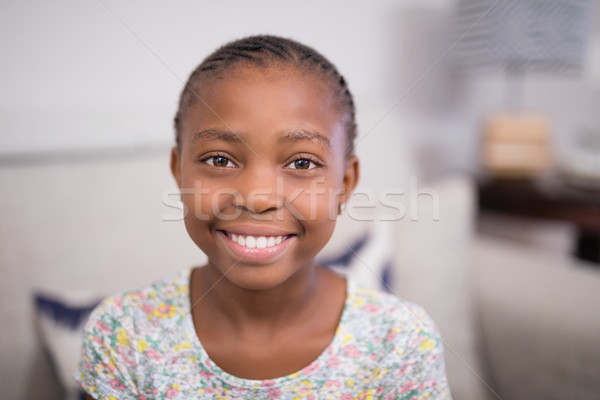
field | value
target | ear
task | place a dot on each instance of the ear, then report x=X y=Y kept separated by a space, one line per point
x=350 y=179
x=176 y=165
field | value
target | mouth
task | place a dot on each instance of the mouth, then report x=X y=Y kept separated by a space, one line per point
x=256 y=242
x=256 y=247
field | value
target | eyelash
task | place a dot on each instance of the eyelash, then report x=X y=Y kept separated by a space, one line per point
x=206 y=160
x=311 y=160
x=315 y=163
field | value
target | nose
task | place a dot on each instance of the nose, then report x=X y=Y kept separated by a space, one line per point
x=260 y=189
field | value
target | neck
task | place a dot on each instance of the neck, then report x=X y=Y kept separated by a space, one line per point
x=270 y=308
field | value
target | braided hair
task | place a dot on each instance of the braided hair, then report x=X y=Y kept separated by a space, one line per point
x=265 y=51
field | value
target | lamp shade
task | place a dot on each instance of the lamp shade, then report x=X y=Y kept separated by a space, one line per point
x=522 y=35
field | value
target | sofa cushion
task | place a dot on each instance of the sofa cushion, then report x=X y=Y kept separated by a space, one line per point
x=540 y=319
x=432 y=269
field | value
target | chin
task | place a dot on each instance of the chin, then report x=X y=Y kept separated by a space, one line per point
x=259 y=278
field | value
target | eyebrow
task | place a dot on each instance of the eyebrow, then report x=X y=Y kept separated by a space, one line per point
x=284 y=136
x=217 y=134
x=303 y=135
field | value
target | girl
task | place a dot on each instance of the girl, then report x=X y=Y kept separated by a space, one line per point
x=264 y=160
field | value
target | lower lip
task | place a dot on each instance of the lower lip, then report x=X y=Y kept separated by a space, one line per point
x=257 y=255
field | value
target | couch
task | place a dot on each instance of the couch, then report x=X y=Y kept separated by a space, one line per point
x=517 y=324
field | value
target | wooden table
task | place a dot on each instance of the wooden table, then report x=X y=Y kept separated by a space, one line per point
x=550 y=199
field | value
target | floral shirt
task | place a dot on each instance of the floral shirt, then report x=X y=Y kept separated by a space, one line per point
x=143 y=345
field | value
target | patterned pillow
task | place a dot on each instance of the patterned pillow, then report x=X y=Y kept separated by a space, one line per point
x=362 y=251
x=60 y=320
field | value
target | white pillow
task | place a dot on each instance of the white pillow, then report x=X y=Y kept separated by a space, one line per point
x=361 y=251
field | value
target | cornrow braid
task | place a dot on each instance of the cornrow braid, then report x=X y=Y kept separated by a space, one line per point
x=264 y=51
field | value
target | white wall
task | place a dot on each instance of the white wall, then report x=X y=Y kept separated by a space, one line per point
x=104 y=74
x=108 y=73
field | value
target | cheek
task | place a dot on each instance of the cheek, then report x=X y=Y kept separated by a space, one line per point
x=317 y=203
x=320 y=212
x=208 y=202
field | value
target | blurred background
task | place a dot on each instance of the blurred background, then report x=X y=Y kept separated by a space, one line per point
x=493 y=106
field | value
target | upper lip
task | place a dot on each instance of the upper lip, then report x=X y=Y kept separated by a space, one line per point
x=256 y=231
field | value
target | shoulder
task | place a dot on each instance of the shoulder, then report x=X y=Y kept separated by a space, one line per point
x=398 y=341
x=124 y=326
x=385 y=307
x=125 y=333
x=162 y=299
x=397 y=324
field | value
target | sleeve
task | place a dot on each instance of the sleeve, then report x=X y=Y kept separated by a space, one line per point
x=419 y=371
x=106 y=363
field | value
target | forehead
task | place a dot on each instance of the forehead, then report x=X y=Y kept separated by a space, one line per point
x=282 y=81
x=261 y=99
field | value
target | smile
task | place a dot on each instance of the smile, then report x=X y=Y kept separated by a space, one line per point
x=258 y=242
x=256 y=248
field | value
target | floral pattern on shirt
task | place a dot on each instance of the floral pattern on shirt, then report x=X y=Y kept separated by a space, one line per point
x=142 y=345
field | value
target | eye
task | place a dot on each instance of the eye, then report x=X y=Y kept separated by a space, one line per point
x=302 y=164
x=220 y=162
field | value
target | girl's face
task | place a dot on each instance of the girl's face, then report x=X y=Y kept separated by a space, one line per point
x=262 y=169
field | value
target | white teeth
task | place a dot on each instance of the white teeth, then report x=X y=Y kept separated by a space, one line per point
x=250 y=242
x=260 y=242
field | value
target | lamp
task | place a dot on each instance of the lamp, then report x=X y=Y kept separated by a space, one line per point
x=519 y=37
